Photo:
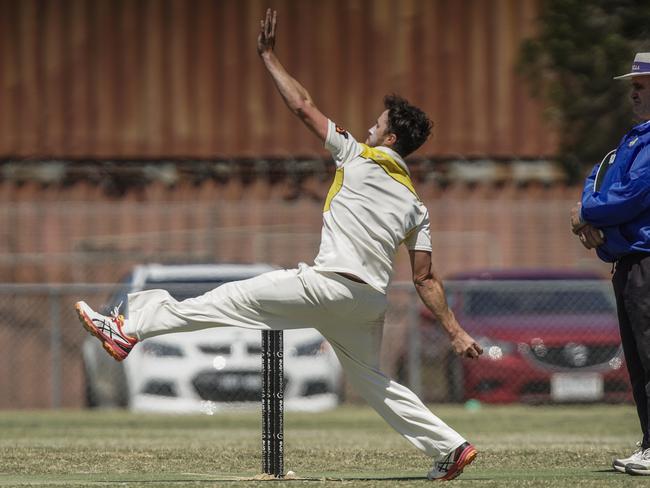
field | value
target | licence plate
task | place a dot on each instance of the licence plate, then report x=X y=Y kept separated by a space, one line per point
x=577 y=387
x=240 y=382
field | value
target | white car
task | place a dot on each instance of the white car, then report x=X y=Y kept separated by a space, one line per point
x=211 y=369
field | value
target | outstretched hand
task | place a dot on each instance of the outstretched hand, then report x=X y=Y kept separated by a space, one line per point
x=266 y=37
x=465 y=346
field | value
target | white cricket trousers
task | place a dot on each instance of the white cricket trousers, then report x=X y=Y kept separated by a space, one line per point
x=349 y=315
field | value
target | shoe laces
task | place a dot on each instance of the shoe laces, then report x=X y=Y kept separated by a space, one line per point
x=445 y=463
x=645 y=455
x=115 y=314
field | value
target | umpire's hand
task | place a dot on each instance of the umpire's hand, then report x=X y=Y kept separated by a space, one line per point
x=576 y=219
x=590 y=237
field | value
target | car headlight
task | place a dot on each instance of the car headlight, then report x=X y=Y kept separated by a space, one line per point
x=313 y=348
x=160 y=349
x=495 y=350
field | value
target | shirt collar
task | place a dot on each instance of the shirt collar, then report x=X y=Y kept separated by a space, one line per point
x=395 y=156
x=642 y=127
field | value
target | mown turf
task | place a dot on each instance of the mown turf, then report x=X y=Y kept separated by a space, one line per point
x=569 y=446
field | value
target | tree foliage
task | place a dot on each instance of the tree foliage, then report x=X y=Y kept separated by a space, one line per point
x=580 y=46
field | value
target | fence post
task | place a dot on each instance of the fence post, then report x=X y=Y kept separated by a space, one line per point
x=55 y=346
x=414 y=346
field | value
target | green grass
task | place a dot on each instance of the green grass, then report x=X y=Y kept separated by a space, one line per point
x=569 y=446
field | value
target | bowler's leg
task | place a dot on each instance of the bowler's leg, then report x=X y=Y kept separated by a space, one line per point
x=357 y=347
x=274 y=300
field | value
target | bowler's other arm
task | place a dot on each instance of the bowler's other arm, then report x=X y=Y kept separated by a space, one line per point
x=432 y=294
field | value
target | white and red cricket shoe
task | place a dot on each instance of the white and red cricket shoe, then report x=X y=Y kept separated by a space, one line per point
x=108 y=329
x=452 y=464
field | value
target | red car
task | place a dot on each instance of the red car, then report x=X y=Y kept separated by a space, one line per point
x=547 y=336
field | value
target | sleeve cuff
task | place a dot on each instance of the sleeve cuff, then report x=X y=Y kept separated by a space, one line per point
x=327 y=144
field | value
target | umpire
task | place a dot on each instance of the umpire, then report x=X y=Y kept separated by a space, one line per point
x=614 y=219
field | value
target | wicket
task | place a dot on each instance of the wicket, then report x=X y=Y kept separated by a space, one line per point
x=273 y=403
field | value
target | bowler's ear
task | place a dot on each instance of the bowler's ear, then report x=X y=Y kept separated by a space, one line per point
x=390 y=139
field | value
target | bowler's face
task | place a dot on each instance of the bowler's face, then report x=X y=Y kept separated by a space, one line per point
x=378 y=131
x=641 y=96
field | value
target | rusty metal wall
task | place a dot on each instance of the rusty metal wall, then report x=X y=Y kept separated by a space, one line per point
x=181 y=78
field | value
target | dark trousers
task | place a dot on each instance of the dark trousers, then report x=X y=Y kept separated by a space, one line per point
x=631 y=282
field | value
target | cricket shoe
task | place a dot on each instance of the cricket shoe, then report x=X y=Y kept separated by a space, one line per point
x=108 y=329
x=452 y=464
x=641 y=465
x=619 y=463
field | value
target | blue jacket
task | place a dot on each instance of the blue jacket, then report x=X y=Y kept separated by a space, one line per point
x=616 y=196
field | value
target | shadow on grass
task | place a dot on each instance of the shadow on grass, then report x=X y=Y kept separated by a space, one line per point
x=222 y=479
x=194 y=480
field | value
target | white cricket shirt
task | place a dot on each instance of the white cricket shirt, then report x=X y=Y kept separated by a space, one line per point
x=371 y=208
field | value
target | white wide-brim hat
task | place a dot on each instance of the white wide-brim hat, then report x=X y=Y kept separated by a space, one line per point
x=640 y=67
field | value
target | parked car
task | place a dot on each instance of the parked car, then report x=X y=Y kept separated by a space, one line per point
x=207 y=370
x=547 y=336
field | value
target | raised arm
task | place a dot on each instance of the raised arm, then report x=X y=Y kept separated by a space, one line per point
x=294 y=94
x=432 y=294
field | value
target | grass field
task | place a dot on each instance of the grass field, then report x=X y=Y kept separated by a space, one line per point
x=519 y=446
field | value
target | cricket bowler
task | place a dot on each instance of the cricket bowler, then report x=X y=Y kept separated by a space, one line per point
x=370 y=210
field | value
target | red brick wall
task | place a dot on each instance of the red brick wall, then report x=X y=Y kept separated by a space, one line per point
x=77 y=233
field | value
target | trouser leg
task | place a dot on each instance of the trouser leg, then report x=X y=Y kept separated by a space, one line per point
x=357 y=345
x=274 y=300
x=400 y=408
x=632 y=290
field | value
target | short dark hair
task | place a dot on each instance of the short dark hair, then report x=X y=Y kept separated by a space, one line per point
x=410 y=124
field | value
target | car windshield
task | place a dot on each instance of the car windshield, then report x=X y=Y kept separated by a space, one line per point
x=538 y=298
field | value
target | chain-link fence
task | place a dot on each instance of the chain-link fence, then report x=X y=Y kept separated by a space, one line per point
x=545 y=340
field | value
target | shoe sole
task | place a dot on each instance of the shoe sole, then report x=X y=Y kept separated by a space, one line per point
x=640 y=471
x=466 y=458
x=90 y=327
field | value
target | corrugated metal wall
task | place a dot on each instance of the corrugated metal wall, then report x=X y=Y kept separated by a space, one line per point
x=181 y=78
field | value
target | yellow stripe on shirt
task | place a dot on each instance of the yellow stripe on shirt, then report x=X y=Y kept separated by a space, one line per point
x=337 y=184
x=389 y=165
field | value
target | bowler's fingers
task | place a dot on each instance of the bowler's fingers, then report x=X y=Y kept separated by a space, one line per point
x=473 y=351
x=268 y=23
x=273 y=23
